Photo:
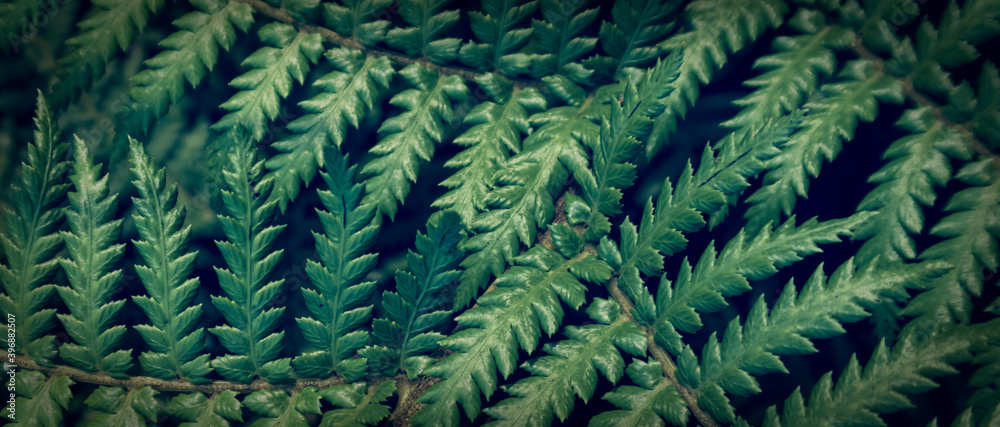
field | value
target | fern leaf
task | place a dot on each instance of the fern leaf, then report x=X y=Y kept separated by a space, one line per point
x=908 y=181
x=523 y=200
x=274 y=67
x=497 y=131
x=817 y=312
x=92 y=318
x=831 y=121
x=716 y=277
x=120 y=407
x=525 y=303
x=215 y=411
x=630 y=38
x=177 y=346
x=113 y=23
x=18 y=20
x=501 y=35
x=571 y=368
x=349 y=230
x=560 y=39
x=345 y=97
x=30 y=241
x=881 y=386
x=647 y=403
x=794 y=70
x=279 y=409
x=428 y=23
x=717 y=27
x=39 y=399
x=247 y=308
x=191 y=51
x=410 y=136
x=420 y=308
x=358 y=406
x=972 y=230
x=355 y=18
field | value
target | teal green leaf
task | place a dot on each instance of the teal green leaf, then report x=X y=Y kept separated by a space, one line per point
x=279 y=409
x=215 y=411
x=560 y=39
x=428 y=24
x=500 y=34
x=359 y=18
x=40 y=401
x=360 y=405
x=14 y=17
x=648 y=403
x=631 y=36
x=124 y=408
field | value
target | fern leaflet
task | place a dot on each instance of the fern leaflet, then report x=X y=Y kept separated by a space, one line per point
x=354 y=19
x=428 y=23
x=360 y=405
x=501 y=38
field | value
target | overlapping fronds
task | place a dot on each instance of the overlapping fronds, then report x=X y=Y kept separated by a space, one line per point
x=30 y=241
x=251 y=319
x=347 y=94
x=410 y=136
x=501 y=33
x=336 y=303
x=94 y=282
x=429 y=22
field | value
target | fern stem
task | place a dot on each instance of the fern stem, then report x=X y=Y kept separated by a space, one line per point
x=906 y=83
x=351 y=42
x=669 y=368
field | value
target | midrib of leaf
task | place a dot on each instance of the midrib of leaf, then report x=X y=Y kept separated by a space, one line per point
x=502 y=27
x=164 y=274
x=248 y=257
x=416 y=305
x=92 y=300
x=631 y=39
x=339 y=284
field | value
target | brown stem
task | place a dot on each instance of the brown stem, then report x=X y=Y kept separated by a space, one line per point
x=171 y=385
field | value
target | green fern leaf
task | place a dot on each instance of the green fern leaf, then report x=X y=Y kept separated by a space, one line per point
x=559 y=38
x=428 y=23
x=177 y=346
x=410 y=136
x=525 y=303
x=198 y=410
x=191 y=51
x=358 y=406
x=420 y=308
x=92 y=319
x=274 y=67
x=120 y=407
x=496 y=133
x=630 y=39
x=501 y=37
x=345 y=96
x=250 y=315
x=355 y=18
x=648 y=403
x=279 y=409
x=571 y=367
x=349 y=230
x=30 y=241
x=817 y=312
x=18 y=21
x=40 y=400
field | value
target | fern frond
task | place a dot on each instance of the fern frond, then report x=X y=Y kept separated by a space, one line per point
x=218 y=410
x=818 y=311
x=119 y=407
x=39 y=399
x=497 y=132
x=250 y=316
x=793 y=70
x=31 y=240
x=349 y=230
x=652 y=398
x=274 y=67
x=190 y=52
x=630 y=38
x=522 y=200
x=525 y=303
x=831 y=120
x=92 y=319
x=176 y=345
x=345 y=97
x=17 y=18
x=112 y=23
x=501 y=36
x=428 y=23
x=919 y=164
x=360 y=405
x=882 y=386
x=279 y=408
x=972 y=230
x=420 y=308
x=411 y=135
x=355 y=19
x=560 y=39
x=571 y=367
x=717 y=27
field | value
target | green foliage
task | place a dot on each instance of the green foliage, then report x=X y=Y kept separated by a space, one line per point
x=576 y=267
